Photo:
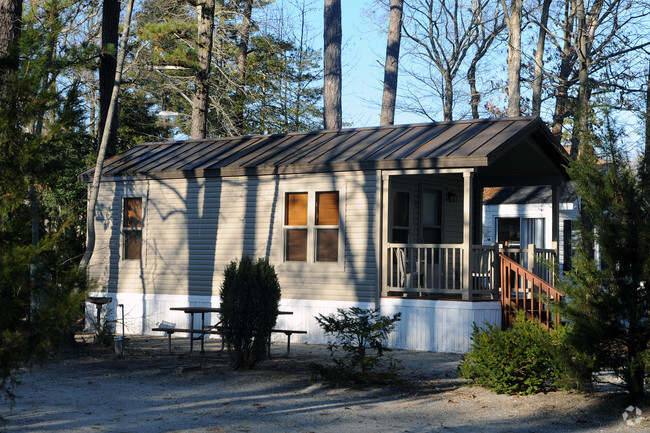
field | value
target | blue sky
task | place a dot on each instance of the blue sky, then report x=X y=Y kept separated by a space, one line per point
x=363 y=48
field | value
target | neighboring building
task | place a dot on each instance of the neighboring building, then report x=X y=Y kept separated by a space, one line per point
x=518 y=216
x=386 y=217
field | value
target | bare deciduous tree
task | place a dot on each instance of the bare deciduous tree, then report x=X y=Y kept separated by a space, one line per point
x=442 y=32
x=513 y=15
x=101 y=153
x=539 y=59
x=490 y=25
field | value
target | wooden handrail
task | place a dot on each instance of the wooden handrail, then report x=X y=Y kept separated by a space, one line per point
x=523 y=290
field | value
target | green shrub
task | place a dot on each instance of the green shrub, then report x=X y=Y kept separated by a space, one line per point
x=521 y=360
x=361 y=335
x=250 y=296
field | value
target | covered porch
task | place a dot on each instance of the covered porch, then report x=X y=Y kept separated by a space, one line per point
x=431 y=227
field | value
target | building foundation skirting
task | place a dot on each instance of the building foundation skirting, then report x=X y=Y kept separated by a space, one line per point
x=427 y=325
x=437 y=325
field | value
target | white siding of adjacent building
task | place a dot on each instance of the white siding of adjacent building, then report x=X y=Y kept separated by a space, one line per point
x=568 y=211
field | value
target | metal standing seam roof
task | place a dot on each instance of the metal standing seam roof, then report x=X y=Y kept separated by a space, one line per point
x=469 y=143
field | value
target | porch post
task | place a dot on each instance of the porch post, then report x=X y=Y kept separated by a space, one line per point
x=468 y=214
x=384 y=183
x=555 y=224
x=477 y=232
x=380 y=220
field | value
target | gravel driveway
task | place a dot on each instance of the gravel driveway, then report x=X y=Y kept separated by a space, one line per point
x=148 y=390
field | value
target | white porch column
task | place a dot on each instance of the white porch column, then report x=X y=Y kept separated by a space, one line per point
x=468 y=212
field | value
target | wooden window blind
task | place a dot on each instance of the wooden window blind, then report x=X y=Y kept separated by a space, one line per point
x=133 y=213
x=296 y=209
x=327 y=208
x=132 y=228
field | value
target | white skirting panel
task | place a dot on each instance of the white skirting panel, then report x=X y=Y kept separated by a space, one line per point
x=144 y=312
x=438 y=326
x=434 y=326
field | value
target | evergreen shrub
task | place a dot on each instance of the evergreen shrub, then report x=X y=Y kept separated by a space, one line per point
x=250 y=297
x=361 y=335
x=521 y=360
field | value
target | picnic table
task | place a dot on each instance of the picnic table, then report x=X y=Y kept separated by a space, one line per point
x=214 y=329
x=203 y=330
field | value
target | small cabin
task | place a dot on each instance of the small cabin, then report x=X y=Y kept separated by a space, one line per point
x=383 y=217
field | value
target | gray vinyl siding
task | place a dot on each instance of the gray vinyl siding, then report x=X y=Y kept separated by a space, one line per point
x=194 y=227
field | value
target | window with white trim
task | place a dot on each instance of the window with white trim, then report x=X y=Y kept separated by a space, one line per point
x=132 y=228
x=312 y=226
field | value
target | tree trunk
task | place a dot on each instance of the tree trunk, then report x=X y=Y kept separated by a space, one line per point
x=567 y=59
x=101 y=153
x=448 y=98
x=241 y=65
x=392 y=62
x=11 y=12
x=200 y=104
x=107 y=68
x=539 y=60
x=475 y=97
x=332 y=65
x=514 y=57
x=645 y=172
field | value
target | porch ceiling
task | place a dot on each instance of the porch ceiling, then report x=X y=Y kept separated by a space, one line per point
x=519 y=147
x=525 y=164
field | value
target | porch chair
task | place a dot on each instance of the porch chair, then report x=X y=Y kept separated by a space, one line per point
x=405 y=276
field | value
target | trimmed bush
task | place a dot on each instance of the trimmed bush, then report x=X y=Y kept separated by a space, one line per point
x=250 y=296
x=521 y=360
x=361 y=335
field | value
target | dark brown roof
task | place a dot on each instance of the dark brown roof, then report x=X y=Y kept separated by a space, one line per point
x=471 y=143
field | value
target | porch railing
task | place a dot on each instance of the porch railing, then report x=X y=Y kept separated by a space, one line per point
x=424 y=268
x=522 y=290
x=540 y=261
x=438 y=268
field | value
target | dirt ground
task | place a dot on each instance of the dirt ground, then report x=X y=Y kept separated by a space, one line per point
x=148 y=390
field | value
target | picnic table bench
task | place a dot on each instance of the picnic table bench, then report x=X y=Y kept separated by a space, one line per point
x=288 y=333
x=171 y=330
x=215 y=329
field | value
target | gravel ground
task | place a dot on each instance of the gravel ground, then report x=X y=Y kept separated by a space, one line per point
x=149 y=390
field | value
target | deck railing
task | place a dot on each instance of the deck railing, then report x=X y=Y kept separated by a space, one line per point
x=540 y=261
x=521 y=289
x=424 y=268
x=438 y=268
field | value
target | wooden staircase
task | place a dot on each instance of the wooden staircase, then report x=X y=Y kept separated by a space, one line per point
x=523 y=290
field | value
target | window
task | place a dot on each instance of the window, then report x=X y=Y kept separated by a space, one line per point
x=432 y=216
x=520 y=232
x=295 y=221
x=132 y=228
x=509 y=231
x=327 y=226
x=311 y=227
x=401 y=215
